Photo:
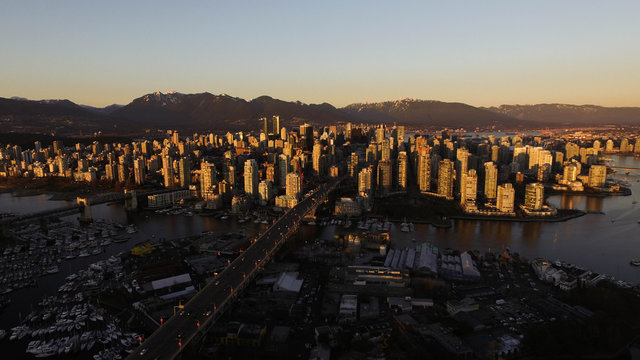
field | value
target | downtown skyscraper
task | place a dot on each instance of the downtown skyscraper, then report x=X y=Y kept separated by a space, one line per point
x=251 y=177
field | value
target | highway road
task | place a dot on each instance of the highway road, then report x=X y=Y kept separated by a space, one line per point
x=207 y=305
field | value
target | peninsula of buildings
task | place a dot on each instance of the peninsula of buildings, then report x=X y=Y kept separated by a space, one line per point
x=497 y=176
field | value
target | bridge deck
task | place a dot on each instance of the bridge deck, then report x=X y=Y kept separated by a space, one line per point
x=204 y=308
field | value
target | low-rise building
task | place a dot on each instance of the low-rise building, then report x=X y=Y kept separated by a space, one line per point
x=348 y=308
x=167 y=199
x=464 y=305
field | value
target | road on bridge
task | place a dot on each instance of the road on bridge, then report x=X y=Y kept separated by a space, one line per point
x=205 y=307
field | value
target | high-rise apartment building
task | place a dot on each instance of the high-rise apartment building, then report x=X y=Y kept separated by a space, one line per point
x=175 y=138
x=293 y=185
x=184 y=171
x=316 y=157
x=597 y=175
x=385 y=177
x=139 y=171
x=265 y=192
x=270 y=126
x=271 y=174
x=400 y=134
x=445 y=178
x=624 y=145
x=123 y=173
x=306 y=135
x=571 y=171
x=111 y=171
x=167 y=171
x=372 y=153
x=505 y=198
x=402 y=170
x=58 y=147
x=469 y=188
x=462 y=157
x=207 y=178
x=385 y=150
x=490 y=180
x=283 y=168
x=534 y=156
x=534 y=196
x=424 y=171
x=572 y=151
x=365 y=180
x=251 y=177
x=380 y=134
x=608 y=146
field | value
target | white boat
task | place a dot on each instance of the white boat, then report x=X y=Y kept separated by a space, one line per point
x=121 y=239
x=635 y=262
x=47 y=351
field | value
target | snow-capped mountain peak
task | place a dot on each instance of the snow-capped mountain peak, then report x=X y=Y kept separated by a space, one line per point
x=170 y=97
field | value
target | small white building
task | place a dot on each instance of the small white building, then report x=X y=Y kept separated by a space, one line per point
x=348 y=307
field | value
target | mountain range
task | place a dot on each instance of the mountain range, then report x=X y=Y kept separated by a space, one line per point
x=568 y=115
x=205 y=111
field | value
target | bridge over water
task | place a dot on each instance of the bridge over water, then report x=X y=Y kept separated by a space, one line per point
x=204 y=308
x=81 y=205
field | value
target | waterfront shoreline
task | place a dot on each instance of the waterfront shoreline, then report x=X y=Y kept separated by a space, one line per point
x=563 y=215
x=623 y=192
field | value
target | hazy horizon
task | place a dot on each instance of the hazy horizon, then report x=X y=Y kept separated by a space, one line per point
x=482 y=54
x=317 y=102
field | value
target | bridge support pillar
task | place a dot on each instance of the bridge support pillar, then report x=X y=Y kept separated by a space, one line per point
x=131 y=201
x=85 y=210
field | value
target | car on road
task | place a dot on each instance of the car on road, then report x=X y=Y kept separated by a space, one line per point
x=143 y=351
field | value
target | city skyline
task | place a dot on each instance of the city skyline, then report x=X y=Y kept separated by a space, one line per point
x=323 y=227
x=483 y=55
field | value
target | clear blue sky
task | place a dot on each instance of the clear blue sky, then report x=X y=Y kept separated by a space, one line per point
x=478 y=52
